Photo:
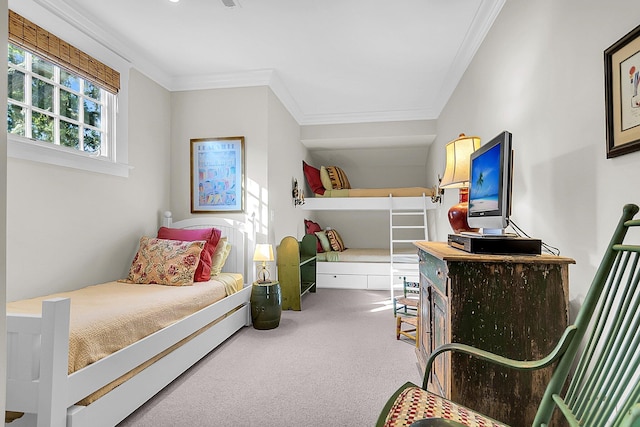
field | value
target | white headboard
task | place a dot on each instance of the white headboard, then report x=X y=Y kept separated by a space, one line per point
x=237 y=234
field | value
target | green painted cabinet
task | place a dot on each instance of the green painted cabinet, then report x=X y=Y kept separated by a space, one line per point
x=296 y=269
x=515 y=306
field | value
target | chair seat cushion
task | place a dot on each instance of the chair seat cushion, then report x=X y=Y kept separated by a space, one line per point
x=413 y=403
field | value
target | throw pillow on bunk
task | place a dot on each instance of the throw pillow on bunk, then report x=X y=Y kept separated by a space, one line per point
x=312 y=175
x=324 y=240
x=334 y=178
x=311 y=227
x=335 y=240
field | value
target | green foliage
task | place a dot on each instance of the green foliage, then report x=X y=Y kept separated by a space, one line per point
x=25 y=69
x=16 y=55
x=15 y=120
x=42 y=127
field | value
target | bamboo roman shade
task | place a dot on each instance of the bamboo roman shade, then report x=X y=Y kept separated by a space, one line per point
x=28 y=35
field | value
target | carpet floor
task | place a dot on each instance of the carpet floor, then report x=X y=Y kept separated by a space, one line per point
x=335 y=363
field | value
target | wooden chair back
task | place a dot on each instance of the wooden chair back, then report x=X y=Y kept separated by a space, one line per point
x=603 y=354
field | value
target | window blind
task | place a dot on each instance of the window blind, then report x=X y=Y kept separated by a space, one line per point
x=30 y=36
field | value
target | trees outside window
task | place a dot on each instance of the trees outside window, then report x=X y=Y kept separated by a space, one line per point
x=50 y=104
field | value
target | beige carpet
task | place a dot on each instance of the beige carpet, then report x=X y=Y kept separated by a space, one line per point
x=334 y=363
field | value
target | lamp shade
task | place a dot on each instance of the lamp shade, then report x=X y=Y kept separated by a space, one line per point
x=263 y=252
x=458 y=152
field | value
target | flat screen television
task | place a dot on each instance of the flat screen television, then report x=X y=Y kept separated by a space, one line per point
x=490 y=177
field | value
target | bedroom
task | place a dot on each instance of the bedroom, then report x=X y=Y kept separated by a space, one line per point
x=548 y=91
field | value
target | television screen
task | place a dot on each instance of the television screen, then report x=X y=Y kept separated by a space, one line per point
x=486 y=182
x=490 y=185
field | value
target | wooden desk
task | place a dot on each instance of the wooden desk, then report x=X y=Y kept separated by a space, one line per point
x=515 y=306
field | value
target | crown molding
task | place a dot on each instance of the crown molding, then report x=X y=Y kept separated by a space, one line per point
x=486 y=14
x=67 y=10
x=368 y=117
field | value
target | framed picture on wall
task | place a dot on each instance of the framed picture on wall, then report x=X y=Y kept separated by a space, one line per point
x=217 y=174
x=622 y=76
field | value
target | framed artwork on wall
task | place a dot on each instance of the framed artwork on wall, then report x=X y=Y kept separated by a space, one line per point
x=622 y=76
x=217 y=174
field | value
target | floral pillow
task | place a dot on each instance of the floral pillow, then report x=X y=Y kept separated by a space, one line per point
x=210 y=235
x=165 y=262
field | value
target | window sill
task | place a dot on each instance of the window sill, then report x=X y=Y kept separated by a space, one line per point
x=22 y=148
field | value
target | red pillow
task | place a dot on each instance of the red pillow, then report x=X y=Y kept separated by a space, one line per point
x=313 y=178
x=311 y=227
x=210 y=235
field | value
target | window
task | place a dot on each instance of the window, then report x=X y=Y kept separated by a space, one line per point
x=63 y=104
x=50 y=104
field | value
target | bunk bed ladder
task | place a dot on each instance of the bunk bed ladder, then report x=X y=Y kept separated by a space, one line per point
x=407 y=224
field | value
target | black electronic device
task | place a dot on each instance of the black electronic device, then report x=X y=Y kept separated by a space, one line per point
x=496 y=244
x=490 y=185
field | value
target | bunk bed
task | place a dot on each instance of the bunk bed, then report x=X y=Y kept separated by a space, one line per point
x=332 y=191
x=48 y=384
x=382 y=268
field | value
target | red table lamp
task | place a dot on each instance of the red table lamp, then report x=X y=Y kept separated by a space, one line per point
x=456 y=175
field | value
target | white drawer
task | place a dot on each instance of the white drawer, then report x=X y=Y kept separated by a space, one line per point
x=378 y=282
x=341 y=281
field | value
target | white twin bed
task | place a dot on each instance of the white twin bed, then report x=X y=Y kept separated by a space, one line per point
x=56 y=376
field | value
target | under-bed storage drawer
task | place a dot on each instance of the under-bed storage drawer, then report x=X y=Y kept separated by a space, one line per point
x=377 y=282
x=342 y=281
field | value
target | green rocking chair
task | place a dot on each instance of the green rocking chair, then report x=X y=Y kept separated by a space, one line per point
x=596 y=378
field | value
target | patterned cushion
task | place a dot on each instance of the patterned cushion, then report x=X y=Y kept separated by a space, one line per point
x=165 y=262
x=210 y=235
x=338 y=178
x=414 y=404
x=335 y=240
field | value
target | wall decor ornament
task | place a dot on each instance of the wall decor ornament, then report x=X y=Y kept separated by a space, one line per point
x=622 y=76
x=217 y=174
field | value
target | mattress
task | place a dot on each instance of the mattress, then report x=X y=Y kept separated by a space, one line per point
x=379 y=192
x=135 y=311
x=407 y=255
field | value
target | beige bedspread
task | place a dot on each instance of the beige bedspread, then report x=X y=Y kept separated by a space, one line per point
x=368 y=255
x=379 y=192
x=111 y=316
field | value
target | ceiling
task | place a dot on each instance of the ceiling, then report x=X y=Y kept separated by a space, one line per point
x=328 y=61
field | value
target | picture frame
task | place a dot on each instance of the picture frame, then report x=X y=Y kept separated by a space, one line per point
x=622 y=94
x=217 y=174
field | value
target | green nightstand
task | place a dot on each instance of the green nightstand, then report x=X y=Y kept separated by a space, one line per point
x=266 y=305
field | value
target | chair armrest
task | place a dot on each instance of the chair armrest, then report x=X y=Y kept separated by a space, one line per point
x=523 y=365
x=632 y=419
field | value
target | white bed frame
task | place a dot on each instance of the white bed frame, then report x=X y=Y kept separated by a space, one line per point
x=37 y=379
x=367 y=203
x=366 y=275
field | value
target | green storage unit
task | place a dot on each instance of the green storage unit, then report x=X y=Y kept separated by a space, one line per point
x=296 y=269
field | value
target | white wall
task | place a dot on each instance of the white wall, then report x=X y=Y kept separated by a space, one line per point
x=3 y=219
x=219 y=113
x=373 y=155
x=68 y=228
x=273 y=154
x=285 y=154
x=539 y=74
